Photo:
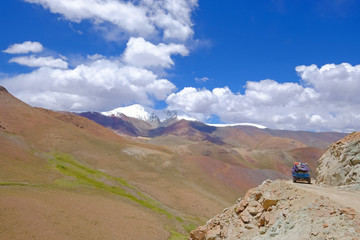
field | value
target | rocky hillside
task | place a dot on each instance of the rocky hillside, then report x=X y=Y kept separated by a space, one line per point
x=232 y=150
x=340 y=165
x=283 y=210
x=63 y=176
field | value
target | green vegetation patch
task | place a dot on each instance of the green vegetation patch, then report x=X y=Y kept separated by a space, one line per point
x=175 y=235
x=13 y=184
x=9 y=133
x=189 y=227
x=82 y=175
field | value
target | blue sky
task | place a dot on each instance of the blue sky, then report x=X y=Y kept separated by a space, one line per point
x=283 y=64
x=255 y=40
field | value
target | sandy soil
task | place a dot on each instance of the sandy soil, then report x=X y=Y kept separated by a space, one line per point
x=31 y=213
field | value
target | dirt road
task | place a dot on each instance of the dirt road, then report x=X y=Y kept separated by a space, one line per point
x=344 y=198
x=302 y=211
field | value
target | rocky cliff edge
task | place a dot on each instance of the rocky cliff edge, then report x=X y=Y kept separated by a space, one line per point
x=283 y=210
x=340 y=164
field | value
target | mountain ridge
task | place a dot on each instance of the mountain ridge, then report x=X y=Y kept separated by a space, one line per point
x=163 y=117
x=175 y=180
x=148 y=114
x=285 y=210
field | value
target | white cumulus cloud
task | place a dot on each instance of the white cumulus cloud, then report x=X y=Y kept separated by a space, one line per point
x=104 y=82
x=145 y=54
x=98 y=82
x=328 y=100
x=192 y=100
x=25 y=47
x=99 y=85
x=335 y=82
x=33 y=61
x=172 y=18
x=125 y=15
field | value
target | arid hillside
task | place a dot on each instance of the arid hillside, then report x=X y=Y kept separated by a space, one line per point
x=284 y=210
x=63 y=176
x=232 y=147
x=329 y=209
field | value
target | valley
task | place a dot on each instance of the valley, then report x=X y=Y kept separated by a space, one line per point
x=77 y=179
x=179 y=120
x=328 y=209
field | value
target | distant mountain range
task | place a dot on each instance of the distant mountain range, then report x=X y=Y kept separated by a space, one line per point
x=241 y=145
x=169 y=170
x=148 y=114
x=137 y=120
x=140 y=121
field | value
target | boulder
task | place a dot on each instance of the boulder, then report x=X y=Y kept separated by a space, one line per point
x=197 y=234
x=253 y=194
x=254 y=208
x=214 y=233
x=242 y=205
x=245 y=216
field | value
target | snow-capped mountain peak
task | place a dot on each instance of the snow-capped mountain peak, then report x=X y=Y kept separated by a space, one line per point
x=238 y=124
x=148 y=114
x=163 y=116
x=134 y=111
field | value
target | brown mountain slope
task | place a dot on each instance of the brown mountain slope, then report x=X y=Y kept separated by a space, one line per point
x=245 y=146
x=121 y=125
x=176 y=179
x=37 y=213
x=237 y=136
x=256 y=138
x=194 y=131
x=278 y=159
x=59 y=153
x=285 y=210
x=84 y=123
x=319 y=140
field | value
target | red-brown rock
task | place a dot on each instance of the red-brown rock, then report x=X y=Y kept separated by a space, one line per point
x=197 y=235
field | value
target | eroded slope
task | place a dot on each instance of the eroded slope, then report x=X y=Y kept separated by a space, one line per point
x=283 y=210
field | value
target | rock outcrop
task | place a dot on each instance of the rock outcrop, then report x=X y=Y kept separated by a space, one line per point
x=340 y=164
x=281 y=210
x=257 y=209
